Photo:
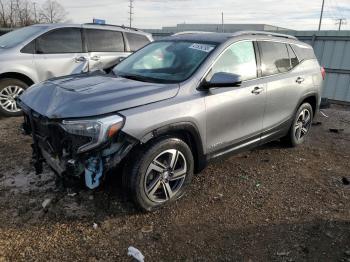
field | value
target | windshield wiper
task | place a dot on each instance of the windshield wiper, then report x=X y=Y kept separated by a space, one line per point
x=136 y=77
x=144 y=78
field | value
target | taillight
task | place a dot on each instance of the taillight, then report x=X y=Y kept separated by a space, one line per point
x=323 y=73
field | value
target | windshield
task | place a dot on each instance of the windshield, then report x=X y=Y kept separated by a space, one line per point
x=165 y=61
x=18 y=36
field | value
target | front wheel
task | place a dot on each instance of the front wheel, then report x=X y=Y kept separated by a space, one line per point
x=159 y=173
x=10 y=89
x=301 y=126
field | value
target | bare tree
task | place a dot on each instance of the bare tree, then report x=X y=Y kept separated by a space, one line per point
x=52 y=12
x=11 y=14
x=18 y=13
x=3 y=14
x=24 y=12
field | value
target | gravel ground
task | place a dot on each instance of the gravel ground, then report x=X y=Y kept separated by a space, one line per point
x=269 y=204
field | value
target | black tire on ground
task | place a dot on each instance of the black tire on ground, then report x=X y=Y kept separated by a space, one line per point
x=4 y=85
x=135 y=175
x=291 y=139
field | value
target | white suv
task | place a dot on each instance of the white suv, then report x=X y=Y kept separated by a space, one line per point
x=36 y=53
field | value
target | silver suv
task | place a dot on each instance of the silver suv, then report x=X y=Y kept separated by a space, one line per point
x=37 y=53
x=164 y=112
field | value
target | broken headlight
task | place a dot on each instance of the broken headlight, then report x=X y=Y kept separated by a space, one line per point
x=98 y=130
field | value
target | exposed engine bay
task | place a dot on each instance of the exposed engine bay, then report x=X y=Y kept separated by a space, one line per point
x=72 y=153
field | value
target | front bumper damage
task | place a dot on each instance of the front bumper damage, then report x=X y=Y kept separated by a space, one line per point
x=51 y=144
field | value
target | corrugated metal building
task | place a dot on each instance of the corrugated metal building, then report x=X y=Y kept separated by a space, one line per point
x=228 y=28
x=332 y=49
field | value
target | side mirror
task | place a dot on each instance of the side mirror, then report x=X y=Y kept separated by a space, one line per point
x=222 y=79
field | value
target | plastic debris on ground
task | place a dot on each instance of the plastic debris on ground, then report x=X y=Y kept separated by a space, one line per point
x=322 y=113
x=135 y=253
x=283 y=253
x=218 y=196
x=147 y=229
x=46 y=203
x=244 y=177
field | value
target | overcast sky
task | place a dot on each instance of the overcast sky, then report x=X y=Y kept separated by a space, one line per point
x=294 y=14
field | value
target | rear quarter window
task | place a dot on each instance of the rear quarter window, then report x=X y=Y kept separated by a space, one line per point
x=293 y=58
x=304 y=52
x=136 y=41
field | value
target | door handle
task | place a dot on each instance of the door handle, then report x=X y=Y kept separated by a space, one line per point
x=257 y=90
x=80 y=59
x=299 y=80
x=95 y=58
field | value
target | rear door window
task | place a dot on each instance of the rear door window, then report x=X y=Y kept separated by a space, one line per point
x=104 y=40
x=136 y=41
x=274 y=58
x=63 y=40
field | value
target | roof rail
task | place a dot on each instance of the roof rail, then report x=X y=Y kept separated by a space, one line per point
x=192 y=32
x=263 y=33
x=120 y=26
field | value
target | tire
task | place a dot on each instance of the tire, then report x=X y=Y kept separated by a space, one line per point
x=300 y=127
x=152 y=180
x=10 y=88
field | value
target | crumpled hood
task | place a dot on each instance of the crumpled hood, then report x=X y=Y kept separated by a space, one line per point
x=92 y=94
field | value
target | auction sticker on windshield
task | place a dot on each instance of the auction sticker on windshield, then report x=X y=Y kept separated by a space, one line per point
x=202 y=47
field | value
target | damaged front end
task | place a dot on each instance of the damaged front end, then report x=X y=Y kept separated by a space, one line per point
x=89 y=147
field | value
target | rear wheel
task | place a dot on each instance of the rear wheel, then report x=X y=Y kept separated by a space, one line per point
x=301 y=126
x=160 y=173
x=10 y=89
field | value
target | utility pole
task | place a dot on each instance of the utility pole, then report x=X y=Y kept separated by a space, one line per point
x=222 y=22
x=34 y=4
x=342 y=21
x=130 y=11
x=319 y=25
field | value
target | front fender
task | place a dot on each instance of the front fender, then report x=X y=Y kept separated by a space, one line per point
x=186 y=129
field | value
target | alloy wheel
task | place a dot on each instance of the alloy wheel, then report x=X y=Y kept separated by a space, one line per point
x=165 y=176
x=8 y=97
x=303 y=124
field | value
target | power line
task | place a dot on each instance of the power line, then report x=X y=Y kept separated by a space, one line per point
x=340 y=10
x=341 y=21
x=332 y=9
x=131 y=7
